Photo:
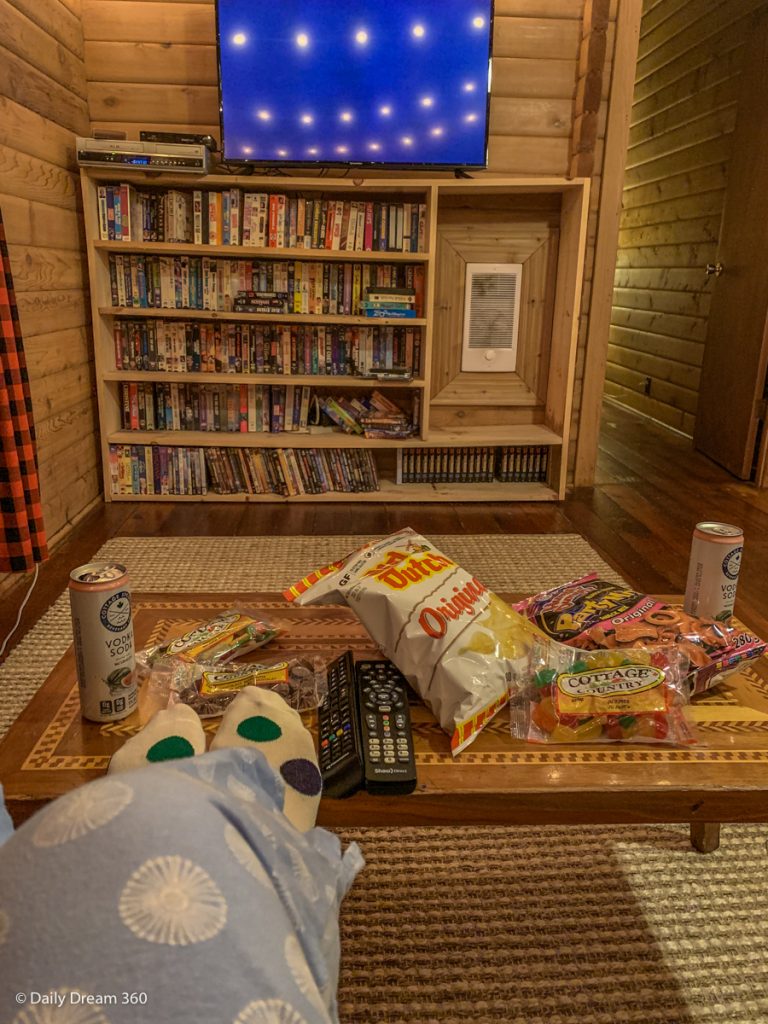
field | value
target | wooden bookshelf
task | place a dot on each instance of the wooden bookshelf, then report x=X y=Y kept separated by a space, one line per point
x=540 y=223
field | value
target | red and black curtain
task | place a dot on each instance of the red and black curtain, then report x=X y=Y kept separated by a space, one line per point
x=22 y=536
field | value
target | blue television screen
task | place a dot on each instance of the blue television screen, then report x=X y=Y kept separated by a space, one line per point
x=382 y=82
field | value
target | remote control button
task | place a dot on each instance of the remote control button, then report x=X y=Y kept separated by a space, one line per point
x=400 y=721
x=384 y=707
x=389 y=760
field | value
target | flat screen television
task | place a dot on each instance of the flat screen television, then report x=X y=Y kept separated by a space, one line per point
x=379 y=83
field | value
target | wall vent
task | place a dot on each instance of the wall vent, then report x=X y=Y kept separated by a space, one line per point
x=491 y=314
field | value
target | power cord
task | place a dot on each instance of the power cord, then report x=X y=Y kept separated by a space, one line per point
x=21 y=609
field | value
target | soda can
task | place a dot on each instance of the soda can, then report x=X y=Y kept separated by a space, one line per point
x=713 y=570
x=100 y=601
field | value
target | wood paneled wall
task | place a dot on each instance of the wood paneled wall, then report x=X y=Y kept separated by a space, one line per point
x=152 y=63
x=683 y=116
x=71 y=66
x=43 y=104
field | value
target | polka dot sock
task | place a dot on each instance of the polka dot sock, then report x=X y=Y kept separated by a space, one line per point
x=168 y=735
x=260 y=718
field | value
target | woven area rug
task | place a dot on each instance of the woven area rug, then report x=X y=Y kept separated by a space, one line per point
x=548 y=925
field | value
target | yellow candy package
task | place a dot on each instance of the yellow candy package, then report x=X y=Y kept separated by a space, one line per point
x=209 y=690
x=460 y=646
x=229 y=635
x=638 y=695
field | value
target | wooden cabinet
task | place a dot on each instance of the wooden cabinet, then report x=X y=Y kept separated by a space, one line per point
x=539 y=223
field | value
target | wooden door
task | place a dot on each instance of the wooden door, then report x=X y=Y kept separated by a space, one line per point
x=730 y=419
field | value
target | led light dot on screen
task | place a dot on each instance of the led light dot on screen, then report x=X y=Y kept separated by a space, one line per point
x=478 y=22
x=469 y=87
x=426 y=101
x=385 y=111
x=302 y=40
x=361 y=37
x=282 y=152
x=312 y=151
x=418 y=31
x=436 y=131
x=341 y=149
x=375 y=146
x=264 y=115
x=407 y=140
x=307 y=119
x=470 y=118
x=247 y=150
x=345 y=115
x=239 y=38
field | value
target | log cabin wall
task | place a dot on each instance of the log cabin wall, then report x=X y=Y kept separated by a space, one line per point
x=42 y=106
x=152 y=64
x=683 y=116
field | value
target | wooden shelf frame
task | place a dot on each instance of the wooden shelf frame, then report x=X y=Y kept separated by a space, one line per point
x=532 y=422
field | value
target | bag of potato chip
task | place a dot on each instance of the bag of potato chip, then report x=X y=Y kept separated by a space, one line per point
x=459 y=646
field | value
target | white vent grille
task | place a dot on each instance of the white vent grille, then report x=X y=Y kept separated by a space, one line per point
x=491 y=310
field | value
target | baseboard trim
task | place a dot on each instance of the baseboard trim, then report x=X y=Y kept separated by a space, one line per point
x=609 y=400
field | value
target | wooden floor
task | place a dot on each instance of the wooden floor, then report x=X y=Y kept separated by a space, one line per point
x=651 y=489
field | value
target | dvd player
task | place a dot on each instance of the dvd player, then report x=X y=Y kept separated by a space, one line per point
x=149 y=156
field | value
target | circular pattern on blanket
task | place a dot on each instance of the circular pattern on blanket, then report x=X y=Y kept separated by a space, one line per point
x=68 y=1012
x=269 y=1011
x=172 y=901
x=170 y=748
x=306 y=984
x=82 y=811
x=259 y=729
x=245 y=855
x=303 y=775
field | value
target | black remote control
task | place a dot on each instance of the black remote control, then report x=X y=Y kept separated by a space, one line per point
x=385 y=728
x=341 y=764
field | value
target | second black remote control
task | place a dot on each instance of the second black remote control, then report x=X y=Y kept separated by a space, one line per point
x=341 y=764
x=385 y=728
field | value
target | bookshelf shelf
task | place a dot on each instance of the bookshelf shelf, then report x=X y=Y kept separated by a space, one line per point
x=519 y=433
x=464 y=418
x=260 y=252
x=389 y=492
x=258 y=439
x=157 y=313
x=312 y=380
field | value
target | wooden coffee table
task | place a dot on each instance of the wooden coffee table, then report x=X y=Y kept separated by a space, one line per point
x=497 y=781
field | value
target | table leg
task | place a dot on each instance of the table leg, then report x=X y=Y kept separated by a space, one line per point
x=705 y=836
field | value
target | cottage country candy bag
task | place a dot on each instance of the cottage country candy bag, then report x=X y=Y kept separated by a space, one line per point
x=459 y=645
x=639 y=695
x=590 y=613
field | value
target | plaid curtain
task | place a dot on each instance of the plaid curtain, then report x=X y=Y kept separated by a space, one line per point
x=22 y=536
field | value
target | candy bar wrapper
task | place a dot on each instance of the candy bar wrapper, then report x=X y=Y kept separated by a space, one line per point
x=461 y=648
x=590 y=613
x=229 y=635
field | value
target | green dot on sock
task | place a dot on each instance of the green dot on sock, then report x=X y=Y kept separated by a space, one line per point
x=170 y=748
x=259 y=729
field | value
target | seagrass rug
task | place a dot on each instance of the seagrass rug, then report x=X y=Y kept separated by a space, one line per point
x=551 y=925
